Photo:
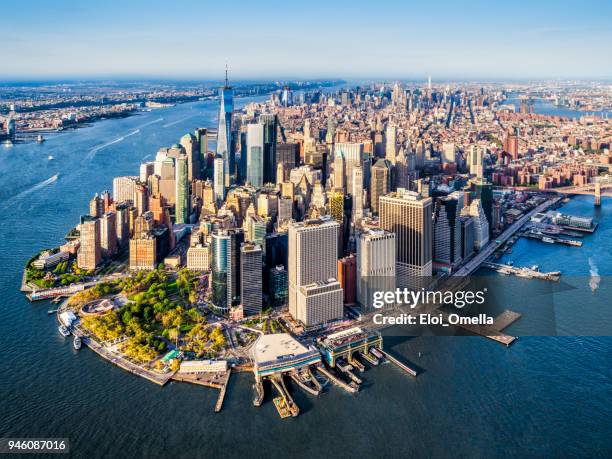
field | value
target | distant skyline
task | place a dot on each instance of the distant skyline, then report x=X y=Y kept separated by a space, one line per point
x=316 y=39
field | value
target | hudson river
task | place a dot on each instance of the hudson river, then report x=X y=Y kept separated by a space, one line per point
x=543 y=396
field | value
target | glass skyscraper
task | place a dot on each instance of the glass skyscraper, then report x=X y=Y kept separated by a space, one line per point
x=255 y=152
x=224 y=130
x=182 y=190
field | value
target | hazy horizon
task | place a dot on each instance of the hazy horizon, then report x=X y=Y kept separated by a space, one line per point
x=474 y=40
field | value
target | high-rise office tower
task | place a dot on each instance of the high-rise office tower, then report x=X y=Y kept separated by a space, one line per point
x=357 y=193
x=141 y=198
x=319 y=198
x=96 y=206
x=226 y=267
x=256 y=229
x=288 y=154
x=483 y=190
x=146 y=170
x=475 y=161
x=353 y=157
x=480 y=223
x=219 y=180
x=467 y=236
x=375 y=266
x=280 y=173
x=408 y=215
x=285 y=209
x=190 y=144
x=347 y=276
x=255 y=154
x=278 y=286
x=108 y=234
x=447 y=232
x=143 y=251
x=391 y=143
x=224 y=130
x=122 y=221
x=90 y=254
x=315 y=296
x=380 y=182
x=183 y=202
x=336 y=206
x=251 y=280
x=405 y=164
x=270 y=127
x=201 y=135
x=339 y=172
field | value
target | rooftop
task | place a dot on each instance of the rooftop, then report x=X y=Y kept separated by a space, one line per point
x=277 y=346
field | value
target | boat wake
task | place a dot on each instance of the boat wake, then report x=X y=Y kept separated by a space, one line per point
x=177 y=121
x=151 y=122
x=94 y=150
x=595 y=277
x=30 y=190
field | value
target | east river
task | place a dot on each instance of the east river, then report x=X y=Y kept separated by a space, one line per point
x=543 y=396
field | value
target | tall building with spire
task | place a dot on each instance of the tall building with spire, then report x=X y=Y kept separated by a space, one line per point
x=224 y=129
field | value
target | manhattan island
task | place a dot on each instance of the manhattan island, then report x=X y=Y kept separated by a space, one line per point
x=263 y=255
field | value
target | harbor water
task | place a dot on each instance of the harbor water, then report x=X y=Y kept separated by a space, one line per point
x=543 y=396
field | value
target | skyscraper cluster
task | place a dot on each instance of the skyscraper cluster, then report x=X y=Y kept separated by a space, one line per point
x=314 y=202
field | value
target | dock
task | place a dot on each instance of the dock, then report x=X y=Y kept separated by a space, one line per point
x=529 y=273
x=551 y=239
x=302 y=379
x=505 y=319
x=397 y=363
x=492 y=332
x=286 y=403
x=221 y=396
x=259 y=393
x=351 y=388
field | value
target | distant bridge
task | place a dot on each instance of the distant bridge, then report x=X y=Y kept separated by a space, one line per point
x=602 y=186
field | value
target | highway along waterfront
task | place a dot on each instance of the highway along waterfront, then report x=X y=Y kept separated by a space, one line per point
x=471 y=392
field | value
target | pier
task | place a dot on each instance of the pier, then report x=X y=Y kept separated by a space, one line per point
x=505 y=319
x=346 y=369
x=221 y=397
x=303 y=378
x=397 y=363
x=551 y=239
x=522 y=272
x=286 y=406
x=259 y=393
x=493 y=332
x=349 y=387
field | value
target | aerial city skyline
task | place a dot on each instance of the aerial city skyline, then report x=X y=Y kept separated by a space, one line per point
x=327 y=229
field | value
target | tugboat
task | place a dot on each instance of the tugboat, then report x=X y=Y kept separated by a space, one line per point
x=77 y=343
x=64 y=331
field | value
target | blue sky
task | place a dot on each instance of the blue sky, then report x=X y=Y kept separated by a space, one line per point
x=305 y=39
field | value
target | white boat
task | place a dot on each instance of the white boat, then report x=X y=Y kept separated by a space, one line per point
x=50 y=158
x=77 y=342
x=64 y=331
x=548 y=239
